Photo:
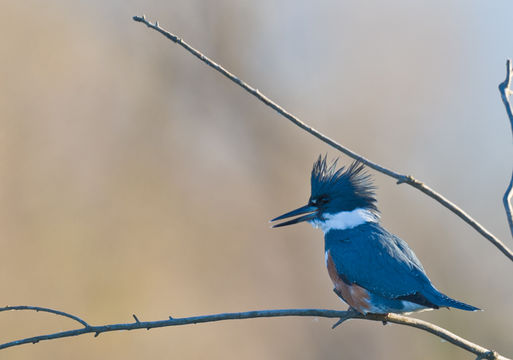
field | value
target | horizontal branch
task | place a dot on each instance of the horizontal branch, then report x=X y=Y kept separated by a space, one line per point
x=399 y=177
x=344 y=315
x=506 y=90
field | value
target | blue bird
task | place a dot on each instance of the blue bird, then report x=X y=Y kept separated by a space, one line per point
x=372 y=270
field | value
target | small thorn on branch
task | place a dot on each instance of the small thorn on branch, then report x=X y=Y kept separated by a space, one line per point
x=136 y=319
x=402 y=180
x=408 y=179
x=350 y=313
x=340 y=321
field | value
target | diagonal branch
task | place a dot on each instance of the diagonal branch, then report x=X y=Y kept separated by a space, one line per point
x=42 y=309
x=399 y=177
x=346 y=315
x=506 y=91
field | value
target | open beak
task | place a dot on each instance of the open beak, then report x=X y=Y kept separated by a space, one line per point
x=310 y=211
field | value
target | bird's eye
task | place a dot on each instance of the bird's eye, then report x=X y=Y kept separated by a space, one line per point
x=323 y=200
x=319 y=201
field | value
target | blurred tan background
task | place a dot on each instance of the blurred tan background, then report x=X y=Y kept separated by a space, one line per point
x=134 y=179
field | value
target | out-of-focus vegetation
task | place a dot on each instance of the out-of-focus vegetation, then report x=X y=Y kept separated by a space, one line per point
x=134 y=179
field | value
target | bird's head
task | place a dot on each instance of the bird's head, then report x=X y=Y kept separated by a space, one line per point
x=340 y=198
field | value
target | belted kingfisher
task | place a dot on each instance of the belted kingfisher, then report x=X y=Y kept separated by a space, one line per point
x=372 y=270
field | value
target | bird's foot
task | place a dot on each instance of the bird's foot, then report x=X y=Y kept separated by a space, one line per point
x=350 y=313
x=385 y=319
x=491 y=355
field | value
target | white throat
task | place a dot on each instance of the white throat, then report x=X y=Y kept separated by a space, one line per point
x=345 y=220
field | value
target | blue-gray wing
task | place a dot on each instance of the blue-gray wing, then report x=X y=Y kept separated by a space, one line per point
x=376 y=260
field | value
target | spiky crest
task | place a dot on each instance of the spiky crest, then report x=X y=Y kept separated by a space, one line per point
x=352 y=184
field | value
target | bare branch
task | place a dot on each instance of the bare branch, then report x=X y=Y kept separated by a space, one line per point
x=42 y=309
x=506 y=91
x=399 y=177
x=346 y=315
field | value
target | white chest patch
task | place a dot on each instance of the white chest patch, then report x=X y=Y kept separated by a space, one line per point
x=345 y=220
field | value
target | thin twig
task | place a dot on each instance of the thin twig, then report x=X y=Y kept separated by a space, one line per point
x=393 y=318
x=42 y=309
x=399 y=177
x=506 y=90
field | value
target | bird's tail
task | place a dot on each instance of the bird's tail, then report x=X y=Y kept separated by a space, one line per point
x=442 y=300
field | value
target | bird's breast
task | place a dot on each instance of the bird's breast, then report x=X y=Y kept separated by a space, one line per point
x=356 y=296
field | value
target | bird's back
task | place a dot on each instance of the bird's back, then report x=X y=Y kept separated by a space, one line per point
x=381 y=263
